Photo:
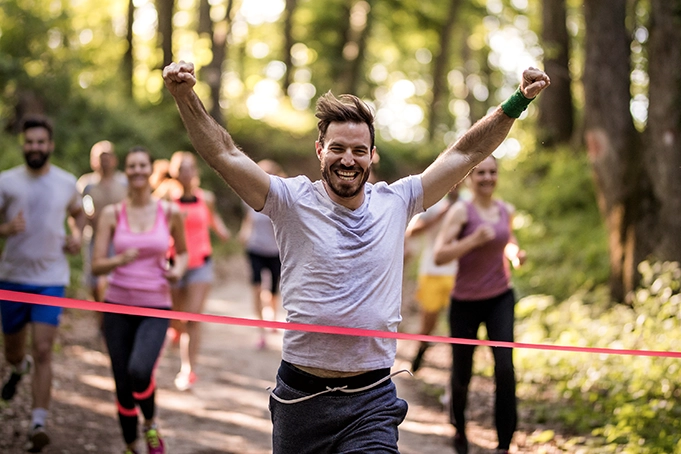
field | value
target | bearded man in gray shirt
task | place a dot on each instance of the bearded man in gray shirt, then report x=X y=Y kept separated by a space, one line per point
x=35 y=200
x=340 y=240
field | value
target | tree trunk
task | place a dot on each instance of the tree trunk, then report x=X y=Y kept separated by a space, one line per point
x=27 y=103
x=205 y=25
x=613 y=143
x=128 y=59
x=212 y=73
x=663 y=134
x=165 y=9
x=288 y=42
x=441 y=67
x=337 y=49
x=555 y=105
x=355 y=44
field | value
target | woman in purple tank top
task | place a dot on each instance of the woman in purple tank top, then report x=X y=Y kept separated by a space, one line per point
x=140 y=228
x=478 y=234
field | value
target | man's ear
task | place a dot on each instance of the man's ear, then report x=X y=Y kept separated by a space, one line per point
x=319 y=148
x=374 y=156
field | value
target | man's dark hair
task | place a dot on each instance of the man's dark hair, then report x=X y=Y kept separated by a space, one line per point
x=37 y=121
x=138 y=149
x=344 y=109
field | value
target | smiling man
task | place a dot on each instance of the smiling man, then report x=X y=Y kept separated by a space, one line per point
x=341 y=243
x=35 y=200
x=344 y=172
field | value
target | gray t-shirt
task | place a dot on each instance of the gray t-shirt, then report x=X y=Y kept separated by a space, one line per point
x=36 y=256
x=341 y=267
x=261 y=240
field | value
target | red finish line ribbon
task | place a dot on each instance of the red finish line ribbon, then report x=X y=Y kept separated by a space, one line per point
x=71 y=303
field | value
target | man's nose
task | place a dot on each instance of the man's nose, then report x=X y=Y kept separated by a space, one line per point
x=348 y=159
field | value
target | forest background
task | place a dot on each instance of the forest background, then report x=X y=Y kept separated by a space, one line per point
x=593 y=167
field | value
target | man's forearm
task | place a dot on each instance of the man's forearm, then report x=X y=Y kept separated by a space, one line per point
x=208 y=137
x=458 y=159
x=214 y=144
x=77 y=223
x=484 y=136
x=4 y=230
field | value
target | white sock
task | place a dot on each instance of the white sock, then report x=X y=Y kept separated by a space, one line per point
x=38 y=417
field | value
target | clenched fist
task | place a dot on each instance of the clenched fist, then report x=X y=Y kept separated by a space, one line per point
x=16 y=225
x=534 y=81
x=179 y=78
x=483 y=234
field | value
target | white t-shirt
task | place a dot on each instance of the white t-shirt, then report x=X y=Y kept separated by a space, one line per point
x=341 y=267
x=427 y=266
x=36 y=256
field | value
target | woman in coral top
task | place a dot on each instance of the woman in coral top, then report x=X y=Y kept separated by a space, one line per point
x=190 y=292
x=140 y=228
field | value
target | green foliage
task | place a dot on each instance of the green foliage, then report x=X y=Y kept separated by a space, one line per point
x=627 y=403
x=326 y=31
x=87 y=120
x=557 y=222
x=47 y=64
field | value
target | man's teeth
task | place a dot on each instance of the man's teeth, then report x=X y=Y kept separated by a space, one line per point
x=346 y=175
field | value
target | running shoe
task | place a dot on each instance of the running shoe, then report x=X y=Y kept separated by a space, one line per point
x=9 y=388
x=184 y=381
x=155 y=443
x=460 y=443
x=37 y=439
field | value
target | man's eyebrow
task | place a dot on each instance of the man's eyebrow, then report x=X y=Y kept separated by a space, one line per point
x=335 y=142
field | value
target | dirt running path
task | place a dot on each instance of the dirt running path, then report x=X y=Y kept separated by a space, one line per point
x=226 y=411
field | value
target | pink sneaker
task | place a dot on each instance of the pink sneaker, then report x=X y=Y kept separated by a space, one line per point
x=155 y=443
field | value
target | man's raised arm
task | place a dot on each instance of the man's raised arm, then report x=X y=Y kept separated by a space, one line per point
x=212 y=142
x=480 y=140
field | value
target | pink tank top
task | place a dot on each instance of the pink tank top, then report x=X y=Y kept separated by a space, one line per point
x=484 y=271
x=141 y=282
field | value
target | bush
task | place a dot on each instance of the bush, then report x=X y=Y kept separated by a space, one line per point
x=628 y=402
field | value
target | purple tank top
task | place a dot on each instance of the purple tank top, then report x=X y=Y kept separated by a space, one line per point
x=484 y=271
x=141 y=282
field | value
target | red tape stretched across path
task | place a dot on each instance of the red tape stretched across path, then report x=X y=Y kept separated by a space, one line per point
x=238 y=321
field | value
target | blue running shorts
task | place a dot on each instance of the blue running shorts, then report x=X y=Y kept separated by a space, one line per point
x=16 y=315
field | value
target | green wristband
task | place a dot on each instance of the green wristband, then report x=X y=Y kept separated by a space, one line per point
x=516 y=104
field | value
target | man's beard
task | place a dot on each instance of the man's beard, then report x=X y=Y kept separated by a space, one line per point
x=36 y=159
x=343 y=190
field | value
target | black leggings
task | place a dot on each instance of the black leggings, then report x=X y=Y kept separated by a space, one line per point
x=465 y=318
x=134 y=345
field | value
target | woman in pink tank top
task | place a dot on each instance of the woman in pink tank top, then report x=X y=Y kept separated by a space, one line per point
x=140 y=229
x=478 y=233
